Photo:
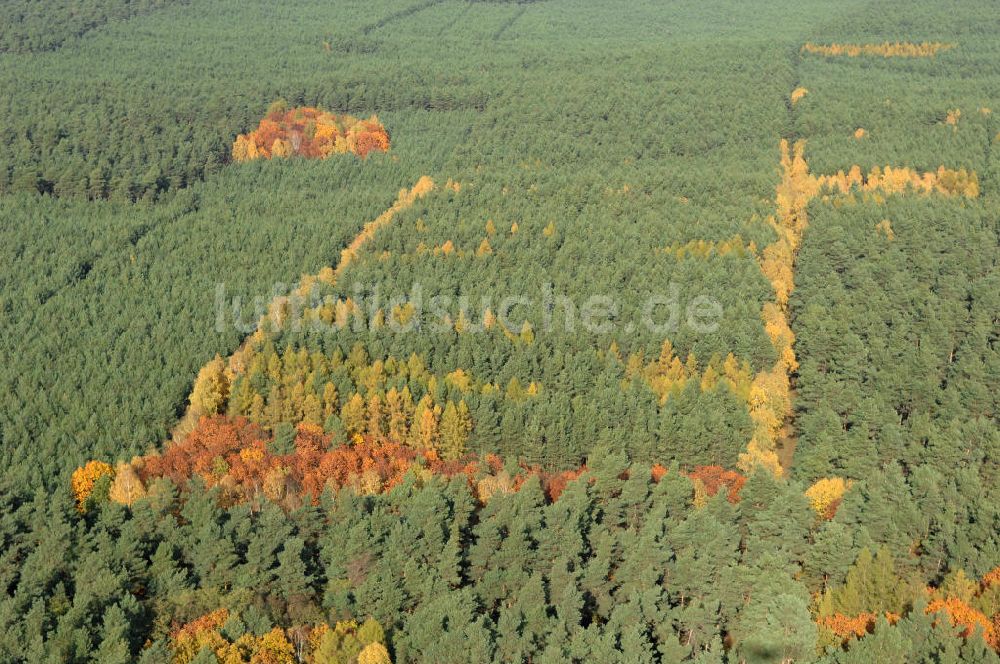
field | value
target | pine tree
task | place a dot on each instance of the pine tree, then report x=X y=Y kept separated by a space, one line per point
x=114 y=647
x=292 y=577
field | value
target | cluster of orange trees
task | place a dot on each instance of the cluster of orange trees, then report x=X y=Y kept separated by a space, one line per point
x=246 y=464
x=310 y=132
x=885 y=49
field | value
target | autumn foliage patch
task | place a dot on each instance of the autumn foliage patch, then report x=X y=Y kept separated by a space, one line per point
x=886 y=49
x=345 y=641
x=311 y=133
x=240 y=458
x=237 y=456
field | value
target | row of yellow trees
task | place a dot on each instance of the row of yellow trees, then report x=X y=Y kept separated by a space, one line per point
x=885 y=49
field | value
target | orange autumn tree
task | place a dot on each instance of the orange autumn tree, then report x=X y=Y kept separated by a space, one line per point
x=845 y=627
x=970 y=606
x=969 y=619
x=310 y=132
x=85 y=478
x=708 y=480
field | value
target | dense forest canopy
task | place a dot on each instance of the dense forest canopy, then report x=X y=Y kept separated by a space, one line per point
x=557 y=332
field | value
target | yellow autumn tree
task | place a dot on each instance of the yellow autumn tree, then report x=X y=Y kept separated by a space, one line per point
x=459 y=379
x=462 y=323
x=352 y=416
x=885 y=227
x=376 y=417
x=274 y=648
x=515 y=391
x=126 y=487
x=281 y=148
x=374 y=653
x=492 y=485
x=244 y=149
x=709 y=379
x=211 y=388
x=527 y=335
x=424 y=432
x=826 y=492
x=347 y=642
x=885 y=49
x=759 y=456
x=330 y=400
x=312 y=410
x=400 y=407
x=456 y=425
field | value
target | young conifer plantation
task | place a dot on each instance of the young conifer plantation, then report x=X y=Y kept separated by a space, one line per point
x=483 y=331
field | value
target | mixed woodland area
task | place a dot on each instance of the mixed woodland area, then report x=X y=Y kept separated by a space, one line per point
x=262 y=400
